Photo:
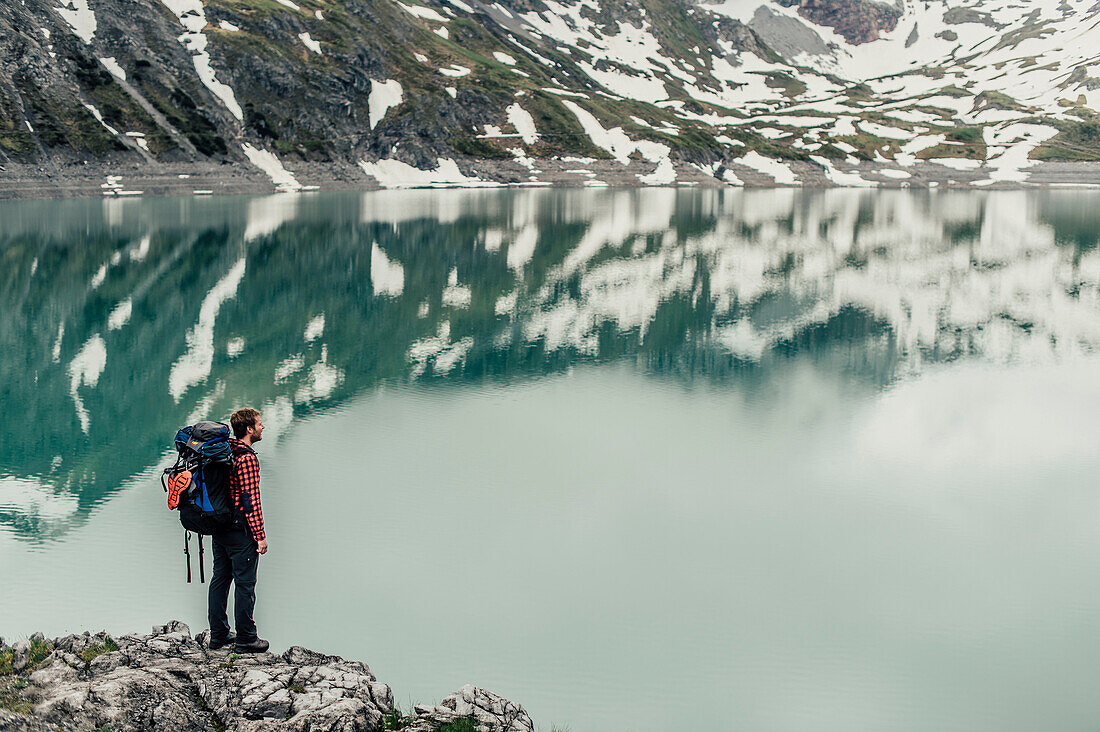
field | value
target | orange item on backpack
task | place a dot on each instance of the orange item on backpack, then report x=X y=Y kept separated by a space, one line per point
x=176 y=487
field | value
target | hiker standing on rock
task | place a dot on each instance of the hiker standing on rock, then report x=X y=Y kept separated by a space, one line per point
x=237 y=550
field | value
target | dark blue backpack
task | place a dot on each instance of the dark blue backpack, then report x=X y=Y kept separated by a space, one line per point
x=198 y=484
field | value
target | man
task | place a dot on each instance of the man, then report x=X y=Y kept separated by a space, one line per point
x=237 y=550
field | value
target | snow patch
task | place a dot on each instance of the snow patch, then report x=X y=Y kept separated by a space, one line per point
x=771 y=133
x=192 y=17
x=616 y=142
x=111 y=65
x=613 y=141
x=266 y=161
x=420 y=11
x=79 y=17
x=383 y=96
x=781 y=173
x=524 y=123
x=392 y=173
x=840 y=177
x=565 y=93
x=504 y=58
x=879 y=130
x=632 y=85
x=1009 y=148
x=309 y=43
x=957 y=163
x=663 y=175
x=112 y=130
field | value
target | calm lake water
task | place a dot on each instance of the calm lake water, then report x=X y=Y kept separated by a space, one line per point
x=640 y=460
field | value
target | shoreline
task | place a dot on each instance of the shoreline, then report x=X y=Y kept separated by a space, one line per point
x=188 y=179
x=169 y=680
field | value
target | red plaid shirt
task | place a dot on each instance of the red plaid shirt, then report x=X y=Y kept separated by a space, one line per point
x=244 y=487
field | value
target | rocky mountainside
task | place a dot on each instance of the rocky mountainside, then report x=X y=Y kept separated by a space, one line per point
x=168 y=680
x=187 y=94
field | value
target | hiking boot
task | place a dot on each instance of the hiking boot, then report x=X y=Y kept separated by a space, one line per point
x=214 y=643
x=257 y=646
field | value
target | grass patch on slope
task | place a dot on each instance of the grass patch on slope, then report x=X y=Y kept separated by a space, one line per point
x=96 y=650
x=118 y=109
x=998 y=100
x=11 y=697
x=1075 y=141
x=962 y=142
x=40 y=648
x=791 y=86
x=179 y=109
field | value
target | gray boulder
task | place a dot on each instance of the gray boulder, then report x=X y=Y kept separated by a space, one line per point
x=491 y=712
x=168 y=680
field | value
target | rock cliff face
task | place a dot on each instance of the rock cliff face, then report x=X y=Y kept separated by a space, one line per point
x=858 y=21
x=168 y=680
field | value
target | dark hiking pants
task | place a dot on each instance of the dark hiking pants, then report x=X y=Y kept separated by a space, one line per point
x=235 y=560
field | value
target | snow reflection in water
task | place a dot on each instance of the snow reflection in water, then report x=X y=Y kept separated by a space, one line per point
x=196 y=299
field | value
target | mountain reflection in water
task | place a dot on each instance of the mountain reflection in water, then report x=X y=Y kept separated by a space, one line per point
x=126 y=318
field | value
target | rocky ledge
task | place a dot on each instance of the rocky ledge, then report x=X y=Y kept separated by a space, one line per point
x=169 y=680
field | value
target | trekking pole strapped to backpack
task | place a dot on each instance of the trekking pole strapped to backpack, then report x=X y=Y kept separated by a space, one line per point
x=187 y=552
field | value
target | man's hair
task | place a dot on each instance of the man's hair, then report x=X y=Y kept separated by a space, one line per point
x=242 y=419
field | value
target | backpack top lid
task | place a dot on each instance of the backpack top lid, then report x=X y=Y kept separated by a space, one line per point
x=210 y=440
x=206 y=431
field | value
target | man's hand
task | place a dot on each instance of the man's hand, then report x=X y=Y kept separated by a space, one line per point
x=261 y=546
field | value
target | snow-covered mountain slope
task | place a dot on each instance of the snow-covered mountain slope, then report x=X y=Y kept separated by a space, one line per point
x=466 y=92
x=1001 y=60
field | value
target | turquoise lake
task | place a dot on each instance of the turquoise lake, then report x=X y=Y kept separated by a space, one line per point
x=639 y=460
